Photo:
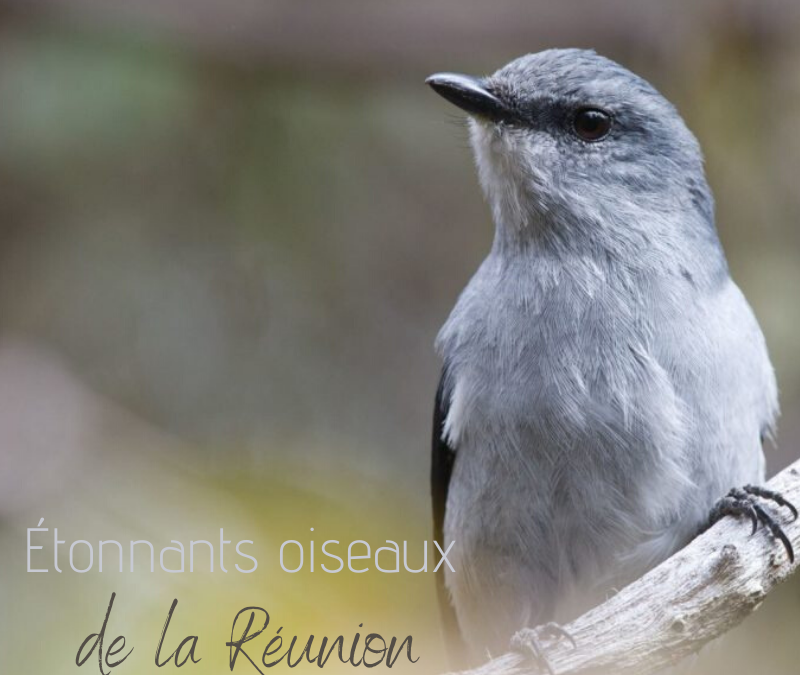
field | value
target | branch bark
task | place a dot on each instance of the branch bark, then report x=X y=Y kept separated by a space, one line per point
x=697 y=595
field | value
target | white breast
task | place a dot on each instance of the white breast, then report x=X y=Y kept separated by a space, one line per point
x=576 y=458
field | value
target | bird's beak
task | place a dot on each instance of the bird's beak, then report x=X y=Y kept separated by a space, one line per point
x=468 y=93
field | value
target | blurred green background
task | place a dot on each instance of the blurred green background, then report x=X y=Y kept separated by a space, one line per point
x=229 y=232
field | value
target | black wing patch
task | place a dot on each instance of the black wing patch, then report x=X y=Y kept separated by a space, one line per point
x=443 y=458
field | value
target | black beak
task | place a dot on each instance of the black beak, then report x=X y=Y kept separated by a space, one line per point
x=469 y=94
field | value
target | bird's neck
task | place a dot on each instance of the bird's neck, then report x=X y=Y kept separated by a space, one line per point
x=639 y=239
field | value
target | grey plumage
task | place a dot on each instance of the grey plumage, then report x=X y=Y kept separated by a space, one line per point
x=605 y=381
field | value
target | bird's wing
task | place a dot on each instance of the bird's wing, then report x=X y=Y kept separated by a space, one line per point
x=443 y=458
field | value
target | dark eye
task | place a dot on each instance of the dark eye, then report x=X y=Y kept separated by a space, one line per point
x=591 y=124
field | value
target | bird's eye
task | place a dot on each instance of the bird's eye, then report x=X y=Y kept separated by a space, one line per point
x=591 y=124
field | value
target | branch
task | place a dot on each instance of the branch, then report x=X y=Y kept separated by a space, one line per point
x=699 y=594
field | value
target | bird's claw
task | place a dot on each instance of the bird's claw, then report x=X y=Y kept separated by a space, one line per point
x=777 y=497
x=528 y=641
x=744 y=502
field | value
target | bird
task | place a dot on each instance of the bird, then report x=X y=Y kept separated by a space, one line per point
x=606 y=390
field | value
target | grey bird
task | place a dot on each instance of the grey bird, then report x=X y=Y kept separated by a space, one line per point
x=605 y=383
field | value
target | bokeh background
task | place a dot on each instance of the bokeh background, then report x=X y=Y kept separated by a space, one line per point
x=229 y=232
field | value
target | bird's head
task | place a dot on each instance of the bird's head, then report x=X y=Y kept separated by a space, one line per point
x=572 y=146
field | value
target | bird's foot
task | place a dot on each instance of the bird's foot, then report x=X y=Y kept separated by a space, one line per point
x=746 y=501
x=529 y=642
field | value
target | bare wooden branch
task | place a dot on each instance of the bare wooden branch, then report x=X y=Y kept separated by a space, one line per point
x=699 y=594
